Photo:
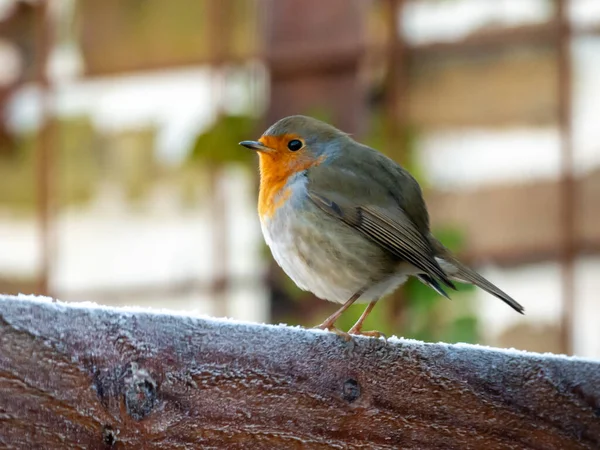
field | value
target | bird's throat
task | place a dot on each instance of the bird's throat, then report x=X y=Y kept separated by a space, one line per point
x=275 y=172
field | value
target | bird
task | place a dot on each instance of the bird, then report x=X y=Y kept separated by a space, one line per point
x=346 y=222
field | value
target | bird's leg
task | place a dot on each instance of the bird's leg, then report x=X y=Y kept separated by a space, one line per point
x=329 y=323
x=357 y=328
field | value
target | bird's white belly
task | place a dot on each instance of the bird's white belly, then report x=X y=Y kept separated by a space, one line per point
x=329 y=259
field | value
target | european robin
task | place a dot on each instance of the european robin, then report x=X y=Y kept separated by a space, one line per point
x=346 y=222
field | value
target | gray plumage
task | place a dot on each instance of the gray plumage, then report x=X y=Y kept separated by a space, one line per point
x=355 y=223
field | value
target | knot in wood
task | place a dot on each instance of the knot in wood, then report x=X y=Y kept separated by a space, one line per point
x=140 y=392
x=351 y=390
x=109 y=436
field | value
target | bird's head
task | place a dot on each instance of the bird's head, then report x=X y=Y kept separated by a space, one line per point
x=296 y=143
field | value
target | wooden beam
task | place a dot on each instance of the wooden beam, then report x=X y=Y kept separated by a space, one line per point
x=528 y=228
x=83 y=376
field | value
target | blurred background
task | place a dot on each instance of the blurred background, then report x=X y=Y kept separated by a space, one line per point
x=121 y=181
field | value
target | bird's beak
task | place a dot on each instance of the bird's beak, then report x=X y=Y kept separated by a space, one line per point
x=255 y=145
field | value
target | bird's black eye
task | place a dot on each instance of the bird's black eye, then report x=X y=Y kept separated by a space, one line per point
x=295 y=145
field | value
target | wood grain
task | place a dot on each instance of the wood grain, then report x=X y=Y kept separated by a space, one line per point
x=73 y=376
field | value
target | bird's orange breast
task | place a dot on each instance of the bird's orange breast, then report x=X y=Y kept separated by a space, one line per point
x=276 y=168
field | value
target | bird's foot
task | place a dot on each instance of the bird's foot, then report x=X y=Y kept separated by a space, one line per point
x=330 y=327
x=373 y=333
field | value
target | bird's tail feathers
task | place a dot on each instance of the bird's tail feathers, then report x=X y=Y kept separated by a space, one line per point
x=467 y=275
x=459 y=272
x=433 y=284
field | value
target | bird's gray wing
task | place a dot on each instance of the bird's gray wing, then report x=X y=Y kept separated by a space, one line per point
x=388 y=226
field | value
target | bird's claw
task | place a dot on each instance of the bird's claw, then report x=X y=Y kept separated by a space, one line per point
x=354 y=331
x=333 y=329
x=373 y=333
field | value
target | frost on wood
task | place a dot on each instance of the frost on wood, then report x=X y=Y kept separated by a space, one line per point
x=82 y=376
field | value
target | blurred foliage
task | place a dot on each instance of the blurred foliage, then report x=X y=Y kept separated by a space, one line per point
x=77 y=173
x=73 y=167
x=127 y=159
x=80 y=159
x=83 y=159
x=219 y=143
x=17 y=175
